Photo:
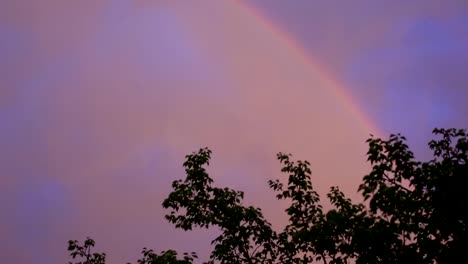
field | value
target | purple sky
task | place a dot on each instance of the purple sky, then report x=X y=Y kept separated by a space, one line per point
x=101 y=100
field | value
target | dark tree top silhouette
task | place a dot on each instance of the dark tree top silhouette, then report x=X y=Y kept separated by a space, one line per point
x=412 y=211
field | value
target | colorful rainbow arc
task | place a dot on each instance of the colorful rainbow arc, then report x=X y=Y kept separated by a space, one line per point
x=296 y=49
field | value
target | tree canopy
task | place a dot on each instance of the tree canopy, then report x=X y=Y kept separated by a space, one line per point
x=412 y=211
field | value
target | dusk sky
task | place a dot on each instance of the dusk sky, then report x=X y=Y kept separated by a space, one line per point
x=101 y=100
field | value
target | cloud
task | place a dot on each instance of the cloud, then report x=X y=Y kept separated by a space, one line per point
x=102 y=109
x=404 y=64
x=43 y=212
x=420 y=74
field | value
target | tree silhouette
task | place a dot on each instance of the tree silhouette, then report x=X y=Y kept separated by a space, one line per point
x=412 y=211
x=84 y=252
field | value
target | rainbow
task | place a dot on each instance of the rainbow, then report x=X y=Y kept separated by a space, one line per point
x=298 y=51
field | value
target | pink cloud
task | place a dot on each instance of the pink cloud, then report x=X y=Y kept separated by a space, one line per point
x=112 y=103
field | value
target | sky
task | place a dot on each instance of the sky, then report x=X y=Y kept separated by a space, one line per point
x=101 y=100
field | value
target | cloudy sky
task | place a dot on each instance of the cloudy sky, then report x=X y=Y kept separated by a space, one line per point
x=101 y=100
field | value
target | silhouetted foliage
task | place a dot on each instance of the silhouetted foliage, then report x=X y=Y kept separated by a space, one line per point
x=149 y=257
x=84 y=252
x=414 y=211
